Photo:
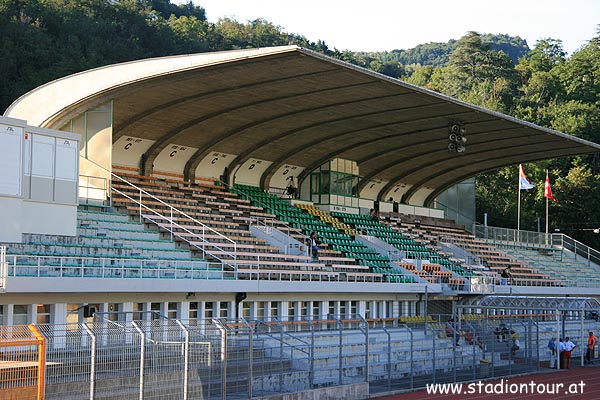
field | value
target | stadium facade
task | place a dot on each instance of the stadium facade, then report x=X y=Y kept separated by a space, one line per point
x=187 y=186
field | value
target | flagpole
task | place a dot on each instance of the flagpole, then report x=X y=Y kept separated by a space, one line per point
x=519 y=204
x=546 y=207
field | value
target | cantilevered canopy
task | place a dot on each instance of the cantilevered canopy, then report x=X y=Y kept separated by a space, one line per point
x=289 y=105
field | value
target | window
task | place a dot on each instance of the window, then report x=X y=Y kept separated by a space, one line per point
x=138 y=309
x=73 y=315
x=209 y=310
x=193 y=310
x=224 y=309
x=260 y=310
x=331 y=310
x=246 y=310
x=113 y=309
x=305 y=313
x=19 y=314
x=316 y=313
x=155 y=308
x=343 y=309
x=172 y=310
x=43 y=314
x=275 y=310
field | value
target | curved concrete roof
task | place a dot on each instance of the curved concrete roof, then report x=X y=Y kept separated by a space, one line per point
x=290 y=105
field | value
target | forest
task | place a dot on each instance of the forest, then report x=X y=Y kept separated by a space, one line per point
x=43 y=40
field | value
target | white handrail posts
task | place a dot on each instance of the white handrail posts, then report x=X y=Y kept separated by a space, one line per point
x=171 y=229
x=140 y=209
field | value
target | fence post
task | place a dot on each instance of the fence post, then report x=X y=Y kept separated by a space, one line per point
x=223 y=360
x=92 y=362
x=186 y=358
x=250 y=360
x=142 y=357
x=41 y=360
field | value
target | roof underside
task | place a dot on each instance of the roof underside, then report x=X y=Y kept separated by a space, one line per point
x=294 y=106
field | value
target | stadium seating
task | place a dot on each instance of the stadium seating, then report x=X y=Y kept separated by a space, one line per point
x=229 y=216
x=328 y=233
x=493 y=259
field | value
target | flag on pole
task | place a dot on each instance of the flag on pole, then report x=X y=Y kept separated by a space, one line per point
x=548 y=189
x=523 y=182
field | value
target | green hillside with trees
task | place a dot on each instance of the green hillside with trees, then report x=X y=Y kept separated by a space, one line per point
x=49 y=39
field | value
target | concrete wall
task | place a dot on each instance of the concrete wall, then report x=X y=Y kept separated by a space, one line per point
x=355 y=391
x=45 y=179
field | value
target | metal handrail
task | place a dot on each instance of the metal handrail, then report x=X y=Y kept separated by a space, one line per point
x=3 y=268
x=171 y=208
x=105 y=266
x=88 y=187
x=281 y=332
x=172 y=223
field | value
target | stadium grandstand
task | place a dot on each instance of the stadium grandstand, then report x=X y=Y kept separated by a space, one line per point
x=156 y=222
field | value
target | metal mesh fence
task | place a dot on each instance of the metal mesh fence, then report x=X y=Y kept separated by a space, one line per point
x=160 y=359
x=22 y=354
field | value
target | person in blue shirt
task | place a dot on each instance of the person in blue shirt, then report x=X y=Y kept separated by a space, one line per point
x=552 y=347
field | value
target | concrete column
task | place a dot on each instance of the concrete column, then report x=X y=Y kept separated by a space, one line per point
x=231 y=309
x=361 y=308
x=127 y=309
x=32 y=314
x=284 y=308
x=58 y=314
x=58 y=319
x=267 y=311
x=9 y=310
x=183 y=310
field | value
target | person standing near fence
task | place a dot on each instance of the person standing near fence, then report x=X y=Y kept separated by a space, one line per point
x=591 y=346
x=561 y=353
x=552 y=348
x=569 y=346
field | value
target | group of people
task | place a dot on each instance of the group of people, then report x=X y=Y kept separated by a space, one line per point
x=503 y=334
x=564 y=348
x=470 y=338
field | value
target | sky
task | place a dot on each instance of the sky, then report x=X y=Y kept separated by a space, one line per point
x=403 y=24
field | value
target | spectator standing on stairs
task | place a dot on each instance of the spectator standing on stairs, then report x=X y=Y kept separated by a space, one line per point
x=506 y=276
x=314 y=245
x=373 y=215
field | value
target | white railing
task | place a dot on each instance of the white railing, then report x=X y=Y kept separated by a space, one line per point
x=568 y=247
x=158 y=218
x=93 y=188
x=173 y=214
x=3 y=268
x=512 y=236
x=18 y=265
x=281 y=235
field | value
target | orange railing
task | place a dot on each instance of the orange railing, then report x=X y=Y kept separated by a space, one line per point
x=22 y=363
